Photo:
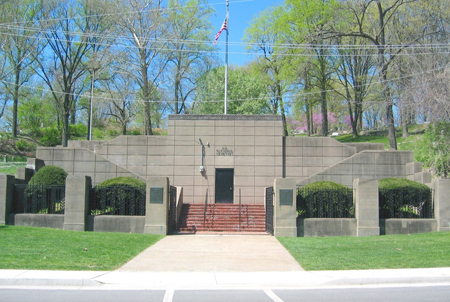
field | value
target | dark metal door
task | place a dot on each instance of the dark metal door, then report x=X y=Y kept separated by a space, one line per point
x=224 y=185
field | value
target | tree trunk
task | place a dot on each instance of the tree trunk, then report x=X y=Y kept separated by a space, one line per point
x=16 y=100
x=324 y=110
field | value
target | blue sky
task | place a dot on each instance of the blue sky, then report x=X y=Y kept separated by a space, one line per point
x=241 y=14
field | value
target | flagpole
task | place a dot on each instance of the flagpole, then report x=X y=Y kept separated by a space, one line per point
x=226 y=65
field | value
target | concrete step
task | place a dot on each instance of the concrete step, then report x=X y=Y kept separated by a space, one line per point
x=222 y=218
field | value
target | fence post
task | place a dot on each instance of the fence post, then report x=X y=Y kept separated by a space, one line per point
x=442 y=203
x=157 y=206
x=76 y=202
x=6 y=196
x=285 y=216
x=366 y=207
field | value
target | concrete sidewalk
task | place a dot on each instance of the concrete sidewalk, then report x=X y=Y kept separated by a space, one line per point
x=217 y=262
x=220 y=280
x=214 y=253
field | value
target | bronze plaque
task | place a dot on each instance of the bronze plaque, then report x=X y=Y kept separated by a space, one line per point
x=286 y=197
x=156 y=195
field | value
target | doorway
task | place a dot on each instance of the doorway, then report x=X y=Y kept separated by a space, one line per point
x=224 y=185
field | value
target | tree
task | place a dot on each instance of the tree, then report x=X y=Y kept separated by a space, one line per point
x=21 y=44
x=61 y=65
x=188 y=26
x=378 y=22
x=355 y=73
x=263 y=36
x=247 y=91
x=145 y=26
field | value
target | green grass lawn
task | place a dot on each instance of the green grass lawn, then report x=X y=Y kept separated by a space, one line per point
x=378 y=252
x=11 y=167
x=50 y=249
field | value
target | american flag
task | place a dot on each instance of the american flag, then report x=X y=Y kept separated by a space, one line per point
x=224 y=26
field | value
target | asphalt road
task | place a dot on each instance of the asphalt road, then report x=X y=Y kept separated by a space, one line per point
x=349 y=294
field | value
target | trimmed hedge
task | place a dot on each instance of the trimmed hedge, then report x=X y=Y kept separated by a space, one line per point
x=403 y=198
x=119 y=196
x=49 y=176
x=122 y=181
x=325 y=199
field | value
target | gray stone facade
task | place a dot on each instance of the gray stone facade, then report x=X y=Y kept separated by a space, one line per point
x=250 y=148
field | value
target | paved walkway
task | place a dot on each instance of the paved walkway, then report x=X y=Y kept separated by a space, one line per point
x=214 y=253
x=217 y=262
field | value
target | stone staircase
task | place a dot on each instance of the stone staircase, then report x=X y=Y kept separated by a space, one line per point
x=222 y=218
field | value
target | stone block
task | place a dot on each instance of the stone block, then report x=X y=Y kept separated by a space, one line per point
x=423 y=177
x=224 y=141
x=184 y=160
x=330 y=161
x=285 y=215
x=410 y=226
x=244 y=141
x=137 y=140
x=204 y=131
x=156 y=217
x=412 y=168
x=119 y=141
x=366 y=207
x=45 y=154
x=84 y=155
x=240 y=161
x=265 y=131
x=266 y=141
x=77 y=202
x=244 y=171
x=262 y=171
x=332 y=151
x=65 y=154
x=265 y=160
x=224 y=131
x=312 y=151
x=244 y=150
x=327 y=227
x=245 y=131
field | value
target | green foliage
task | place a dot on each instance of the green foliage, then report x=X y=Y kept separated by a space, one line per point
x=49 y=136
x=403 y=198
x=400 y=183
x=78 y=130
x=123 y=181
x=434 y=149
x=119 y=196
x=323 y=185
x=24 y=145
x=48 y=176
x=325 y=199
x=247 y=92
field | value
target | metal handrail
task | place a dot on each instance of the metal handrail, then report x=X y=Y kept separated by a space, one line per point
x=204 y=208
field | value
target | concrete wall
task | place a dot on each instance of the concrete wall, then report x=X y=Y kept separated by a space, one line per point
x=117 y=224
x=54 y=221
x=306 y=156
x=82 y=162
x=364 y=165
x=407 y=226
x=326 y=227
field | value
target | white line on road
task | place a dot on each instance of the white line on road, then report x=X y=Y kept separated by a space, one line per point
x=272 y=295
x=168 y=296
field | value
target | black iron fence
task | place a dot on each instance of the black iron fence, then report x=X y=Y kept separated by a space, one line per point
x=410 y=203
x=39 y=199
x=117 y=200
x=269 y=210
x=325 y=203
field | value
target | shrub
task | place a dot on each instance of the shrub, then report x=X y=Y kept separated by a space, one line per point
x=78 y=130
x=123 y=181
x=49 y=136
x=119 y=196
x=403 y=198
x=46 y=199
x=24 y=145
x=48 y=176
x=325 y=199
